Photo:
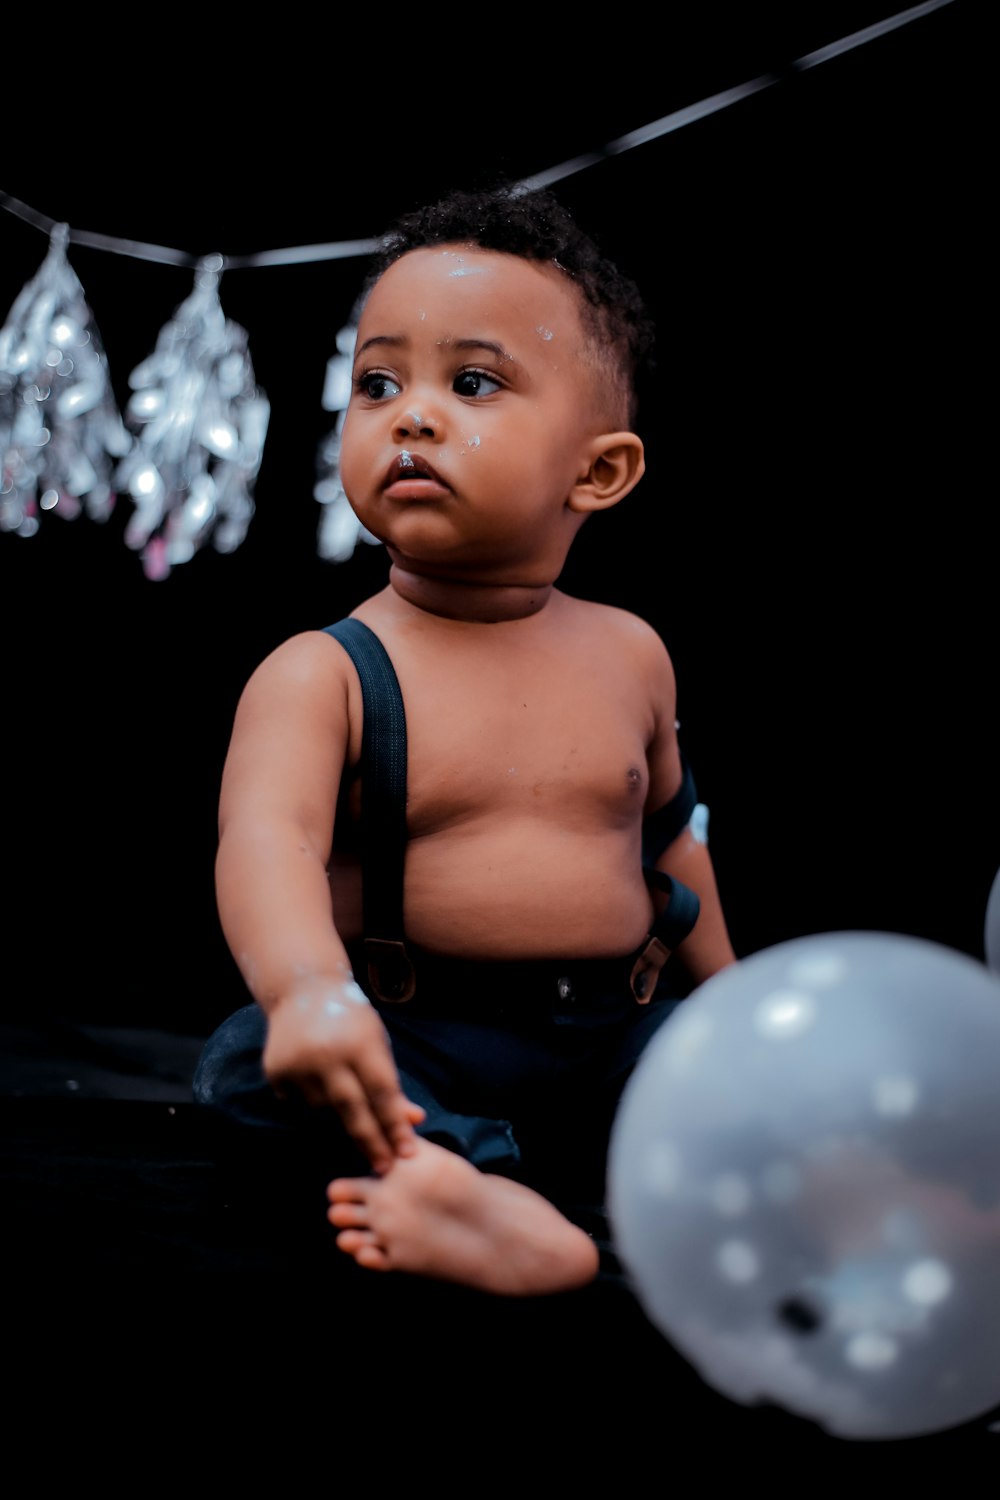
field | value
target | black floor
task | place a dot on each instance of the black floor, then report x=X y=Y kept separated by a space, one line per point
x=143 y=1278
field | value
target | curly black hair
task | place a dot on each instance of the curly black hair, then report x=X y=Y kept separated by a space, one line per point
x=536 y=226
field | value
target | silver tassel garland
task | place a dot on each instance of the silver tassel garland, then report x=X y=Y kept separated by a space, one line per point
x=339 y=531
x=200 y=422
x=60 y=428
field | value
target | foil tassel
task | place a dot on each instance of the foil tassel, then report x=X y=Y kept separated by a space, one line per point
x=339 y=531
x=200 y=422
x=60 y=429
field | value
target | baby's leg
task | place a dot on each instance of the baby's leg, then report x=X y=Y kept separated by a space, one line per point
x=434 y=1214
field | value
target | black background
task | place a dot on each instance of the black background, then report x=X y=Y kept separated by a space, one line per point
x=814 y=538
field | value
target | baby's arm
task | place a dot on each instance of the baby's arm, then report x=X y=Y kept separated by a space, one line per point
x=708 y=947
x=277 y=806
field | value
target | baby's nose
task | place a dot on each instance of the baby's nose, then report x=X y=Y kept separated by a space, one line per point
x=415 y=423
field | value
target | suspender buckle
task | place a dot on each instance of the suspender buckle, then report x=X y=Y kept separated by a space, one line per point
x=646 y=970
x=390 y=971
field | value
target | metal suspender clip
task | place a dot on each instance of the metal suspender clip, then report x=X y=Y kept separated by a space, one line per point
x=646 y=970
x=390 y=971
x=669 y=930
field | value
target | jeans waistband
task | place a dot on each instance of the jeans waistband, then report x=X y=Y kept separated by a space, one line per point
x=514 y=986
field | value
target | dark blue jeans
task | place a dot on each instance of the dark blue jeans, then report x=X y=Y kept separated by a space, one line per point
x=519 y=1066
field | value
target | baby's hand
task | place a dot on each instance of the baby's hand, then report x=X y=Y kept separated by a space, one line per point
x=327 y=1041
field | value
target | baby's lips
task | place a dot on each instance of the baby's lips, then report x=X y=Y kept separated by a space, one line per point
x=407 y=465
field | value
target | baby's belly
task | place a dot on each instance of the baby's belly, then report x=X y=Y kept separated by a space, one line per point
x=513 y=894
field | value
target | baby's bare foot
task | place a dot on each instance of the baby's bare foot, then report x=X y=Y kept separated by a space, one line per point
x=434 y=1214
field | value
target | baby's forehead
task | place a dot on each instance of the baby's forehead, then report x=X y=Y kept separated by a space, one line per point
x=458 y=277
x=458 y=258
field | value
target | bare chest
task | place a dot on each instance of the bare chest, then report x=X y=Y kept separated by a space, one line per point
x=552 y=736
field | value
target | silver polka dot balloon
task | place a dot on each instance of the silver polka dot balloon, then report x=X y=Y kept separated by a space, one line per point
x=991 y=927
x=804 y=1183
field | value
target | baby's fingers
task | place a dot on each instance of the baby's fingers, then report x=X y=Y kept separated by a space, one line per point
x=362 y=1123
x=397 y=1116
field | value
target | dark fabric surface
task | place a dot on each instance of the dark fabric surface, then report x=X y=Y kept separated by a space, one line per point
x=154 y=1286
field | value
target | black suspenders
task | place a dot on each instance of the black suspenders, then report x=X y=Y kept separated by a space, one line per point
x=383 y=811
x=383 y=833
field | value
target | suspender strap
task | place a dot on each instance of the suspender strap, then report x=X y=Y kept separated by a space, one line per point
x=662 y=827
x=680 y=914
x=669 y=929
x=383 y=810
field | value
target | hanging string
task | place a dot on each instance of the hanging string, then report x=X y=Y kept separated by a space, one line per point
x=348 y=249
x=208 y=492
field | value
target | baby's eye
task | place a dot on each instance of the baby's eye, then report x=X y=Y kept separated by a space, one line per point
x=376 y=385
x=475 y=383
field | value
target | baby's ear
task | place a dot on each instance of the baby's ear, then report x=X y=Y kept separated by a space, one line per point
x=615 y=464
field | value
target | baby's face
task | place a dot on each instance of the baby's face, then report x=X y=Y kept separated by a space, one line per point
x=474 y=409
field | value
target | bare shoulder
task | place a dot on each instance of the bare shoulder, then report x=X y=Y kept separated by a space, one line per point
x=629 y=633
x=308 y=674
x=298 y=721
x=306 y=659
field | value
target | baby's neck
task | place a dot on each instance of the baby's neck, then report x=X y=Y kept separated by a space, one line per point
x=482 y=603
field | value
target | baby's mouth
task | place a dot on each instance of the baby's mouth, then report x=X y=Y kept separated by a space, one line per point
x=407 y=467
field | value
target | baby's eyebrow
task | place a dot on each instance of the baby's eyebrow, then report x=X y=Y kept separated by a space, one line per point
x=494 y=348
x=398 y=341
x=393 y=340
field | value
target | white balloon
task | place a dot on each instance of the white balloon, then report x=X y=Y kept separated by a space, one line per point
x=991 y=933
x=804 y=1183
